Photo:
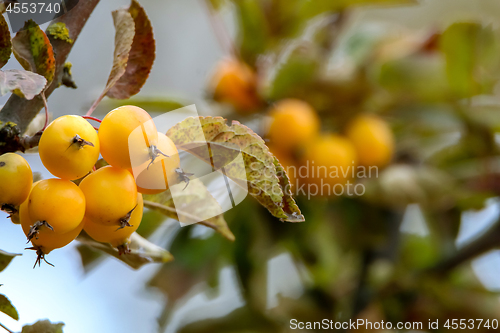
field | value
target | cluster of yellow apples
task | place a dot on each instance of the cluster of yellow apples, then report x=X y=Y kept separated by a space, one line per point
x=107 y=203
x=295 y=139
x=294 y=136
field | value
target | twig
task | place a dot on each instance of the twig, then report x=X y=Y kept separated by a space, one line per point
x=220 y=30
x=46 y=110
x=92 y=118
x=22 y=111
x=488 y=241
x=96 y=103
x=11 y=139
x=5 y=328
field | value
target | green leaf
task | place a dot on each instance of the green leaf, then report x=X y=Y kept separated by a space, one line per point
x=313 y=8
x=7 y=308
x=33 y=50
x=471 y=53
x=151 y=220
x=59 y=31
x=5 y=42
x=217 y=4
x=141 y=251
x=419 y=252
x=152 y=104
x=6 y=258
x=196 y=202
x=90 y=257
x=295 y=75
x=197 y=261
x=416 y=78
x=43 y=326
x=253 y=32
x=225 y=143
x=23 y=83
x=140 y=58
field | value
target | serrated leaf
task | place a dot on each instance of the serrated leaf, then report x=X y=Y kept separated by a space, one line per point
x=195 y=201
x=6 y=258
x=7 y=308
x=33 y=50
x=5 y=42
x=142 y=251
x=141 y=56
x=23 y=83
x=289 y=204
x=43 y=326
x=225 y=143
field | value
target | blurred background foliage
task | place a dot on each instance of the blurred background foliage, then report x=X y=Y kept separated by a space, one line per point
x=393 y=254
x=358 y=257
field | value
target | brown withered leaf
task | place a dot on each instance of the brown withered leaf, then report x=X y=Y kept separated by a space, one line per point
x=140 y=59
x=33 y=50
x=5 y=42
x=124 y=37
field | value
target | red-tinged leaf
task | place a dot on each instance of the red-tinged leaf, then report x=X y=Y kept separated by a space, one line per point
x=23 y=83
x=33 y=50
x=124 y=37
x=140 y=59
x=5 y=43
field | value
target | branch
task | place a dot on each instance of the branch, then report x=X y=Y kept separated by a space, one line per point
x=488 y=241
x=22 y=111
x=5 y=328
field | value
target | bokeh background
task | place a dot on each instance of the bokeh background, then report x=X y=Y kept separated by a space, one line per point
x=352 y=258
